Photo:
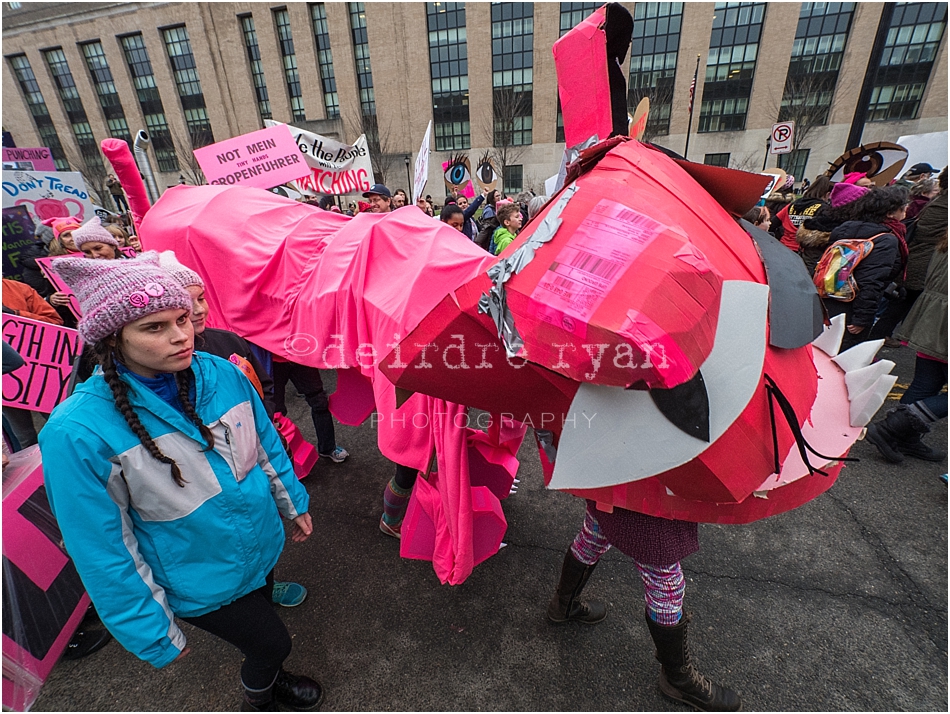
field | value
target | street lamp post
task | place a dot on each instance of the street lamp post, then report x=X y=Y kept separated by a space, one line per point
x=409 y=178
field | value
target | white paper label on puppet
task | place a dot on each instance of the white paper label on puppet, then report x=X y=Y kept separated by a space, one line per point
x=591 y=263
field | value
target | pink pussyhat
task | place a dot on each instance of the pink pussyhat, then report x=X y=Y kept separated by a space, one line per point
x=844 y=193
x=854 y=177
x=92 y=232
x=61 y=225
x=113 y=293
x=183 y=275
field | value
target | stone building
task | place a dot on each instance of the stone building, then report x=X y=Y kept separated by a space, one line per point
x=193 y=73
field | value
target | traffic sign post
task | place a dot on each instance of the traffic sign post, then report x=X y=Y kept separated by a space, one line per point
x=782 y=135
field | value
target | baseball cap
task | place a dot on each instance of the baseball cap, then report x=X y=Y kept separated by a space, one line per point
x=379 y=190
x=917 y=169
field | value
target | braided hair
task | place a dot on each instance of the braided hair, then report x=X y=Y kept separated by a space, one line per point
x=105 y=353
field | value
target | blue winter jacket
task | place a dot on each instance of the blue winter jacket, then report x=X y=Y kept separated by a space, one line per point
x=147 y=549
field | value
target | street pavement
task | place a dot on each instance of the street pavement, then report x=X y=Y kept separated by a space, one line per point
x=838 y=605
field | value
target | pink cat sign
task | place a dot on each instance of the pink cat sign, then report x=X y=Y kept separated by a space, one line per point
x=262 y=159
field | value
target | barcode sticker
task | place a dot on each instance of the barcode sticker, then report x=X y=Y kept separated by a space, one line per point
x=591 y=263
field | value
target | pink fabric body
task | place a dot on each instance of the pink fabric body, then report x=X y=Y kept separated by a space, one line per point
x=325 y=290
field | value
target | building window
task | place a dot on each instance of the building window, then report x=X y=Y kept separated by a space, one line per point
x=257 y=68
x=102 y=80
x=38 y=109
x=321 y=34
x=730 y=66
x=793 y=163
x=136 y=56
x=192 y=98
x=816 y=59
x=656 y=41
x=909 y=51
x=514 y=180
x=448 y=62
x=75 y=112
x=572 y=14
x=717 y=160
x=364 y=71
x=512 y=32
x=291 y=75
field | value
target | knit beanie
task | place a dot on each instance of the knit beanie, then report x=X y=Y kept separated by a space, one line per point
x=184 y=276
x=92 y=232
x=854 y=177
x=61 y=225
x=844 y=193
x=113 y=293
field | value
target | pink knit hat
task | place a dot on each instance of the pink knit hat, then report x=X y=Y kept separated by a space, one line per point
x=854 y=177
x=92 y=232
x=113 y=293
x=844 y=193
x=61 y=225
x=183 y=275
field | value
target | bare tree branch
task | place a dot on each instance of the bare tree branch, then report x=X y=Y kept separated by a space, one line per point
x=190 y=168
x=378 y=141
x=807 y=99
x=506 y=133
x=661 y=104
x=92 y=166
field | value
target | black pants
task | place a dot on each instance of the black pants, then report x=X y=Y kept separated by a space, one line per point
x=251 y=624
x=308 y=383
x=895 y=311
x=406 y=477
x=120 y=203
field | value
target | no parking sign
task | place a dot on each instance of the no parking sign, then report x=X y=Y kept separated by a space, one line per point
x=782 y=135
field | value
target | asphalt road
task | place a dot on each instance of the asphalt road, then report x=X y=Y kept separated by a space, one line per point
x=838 y=605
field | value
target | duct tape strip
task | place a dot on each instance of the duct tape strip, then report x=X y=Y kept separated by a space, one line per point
x=495 y=303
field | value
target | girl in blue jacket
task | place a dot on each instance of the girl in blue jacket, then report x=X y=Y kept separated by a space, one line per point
x=169 y=483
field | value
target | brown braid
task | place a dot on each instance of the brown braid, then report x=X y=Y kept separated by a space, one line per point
x=183 y=379
x=120 y=393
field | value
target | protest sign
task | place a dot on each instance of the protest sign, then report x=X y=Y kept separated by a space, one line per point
x=422 y=165
x=48 y=195
x=39 y=158
x=263 y=159
x=335 y=168
x=17 y=233
x=57 y=281
x=49 y=351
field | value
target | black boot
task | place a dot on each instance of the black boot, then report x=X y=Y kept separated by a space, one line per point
x=900 y=426
x=679 y=678
x=915 y=447
x=564 y=605
x=299 y=693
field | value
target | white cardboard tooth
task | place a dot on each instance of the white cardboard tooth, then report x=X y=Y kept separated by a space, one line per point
x=858 y=356
x=829 y=341
x=861 y=379
x=866 y=404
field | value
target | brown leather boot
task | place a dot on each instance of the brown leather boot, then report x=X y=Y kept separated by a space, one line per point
x=564 y=605
x=679 y=678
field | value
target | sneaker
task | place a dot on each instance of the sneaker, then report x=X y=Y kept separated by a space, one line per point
x=389 y=530
x=337 y=456
x=288 y=594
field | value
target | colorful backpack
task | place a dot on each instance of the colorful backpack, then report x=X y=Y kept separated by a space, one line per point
x=834 y=274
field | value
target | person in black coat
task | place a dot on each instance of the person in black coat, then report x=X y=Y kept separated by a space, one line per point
x=879 y=267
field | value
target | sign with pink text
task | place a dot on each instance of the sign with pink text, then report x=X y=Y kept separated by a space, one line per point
x=263 y=159
x=335 y=168
x=38 y=158
x=58 y=283
x=49 y=351
x=60 y=194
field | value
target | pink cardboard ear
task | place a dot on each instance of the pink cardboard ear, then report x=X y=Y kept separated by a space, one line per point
x=590 y=82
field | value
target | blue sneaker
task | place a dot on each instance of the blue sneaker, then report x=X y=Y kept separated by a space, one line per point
x=337 y=456
x=288 y=594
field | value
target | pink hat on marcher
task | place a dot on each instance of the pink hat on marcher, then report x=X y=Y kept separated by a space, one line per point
x=113 y=293
x=854 y=177
x=844 y=193
x=92 y=232
x=61 y=225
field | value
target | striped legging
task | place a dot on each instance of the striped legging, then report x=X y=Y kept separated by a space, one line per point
x=663 y=586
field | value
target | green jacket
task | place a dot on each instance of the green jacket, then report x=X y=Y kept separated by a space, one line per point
x=501 y=238
x=925 y=328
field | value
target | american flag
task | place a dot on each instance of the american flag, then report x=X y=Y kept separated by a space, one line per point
x=692 y=91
